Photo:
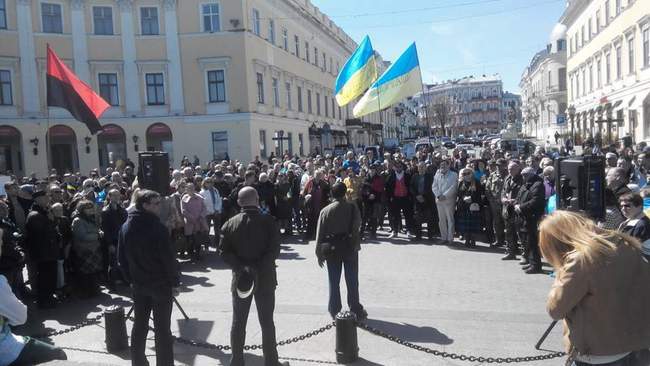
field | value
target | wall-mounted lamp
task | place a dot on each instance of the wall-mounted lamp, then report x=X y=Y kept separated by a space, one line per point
x=35 y=142
x=135 y=142
x=87 y=140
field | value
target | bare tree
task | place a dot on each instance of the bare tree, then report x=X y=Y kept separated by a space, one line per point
x=440 y=112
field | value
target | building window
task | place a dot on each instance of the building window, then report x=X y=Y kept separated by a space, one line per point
x=584 y=82
x=561 y=45
x=3 y=14
x=103 y=20
x=276 y=92
x=309 y=109
x=330 y=64
x=599 y=78
x=589 y=30
x=211 y=22
x=646 y=47
x=316 y=56
x=51 y=18
x=290 y=143
x=333 y=108
x=256 y=22
x=296 y=41
x=287 y=86
x=339 y=112
x=318 y=104
x=324 y=62
x=619 y=66
x=608 y=68
x=618 y=7
x=285 y=39
x=630 y=51
x=6 y=97
x=260 y=88
x=108 y=88
x=149 y=21
x=561 y=74
x=263 y=143
x=597 y=21
x=583 y=36
x=326 y=105
x=301 y=148
x=216 y=86
x=577 y=92
x=220 y=145
x=607 y=12
x=299 y=96
x=307 y=51
x=155 y=89
x=272 y=31
x=591 y=78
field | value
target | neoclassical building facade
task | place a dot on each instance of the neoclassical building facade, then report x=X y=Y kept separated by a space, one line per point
x=211 y=78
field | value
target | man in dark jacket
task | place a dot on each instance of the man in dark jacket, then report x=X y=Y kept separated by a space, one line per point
x=421 y=183
x=529 y=210
x=250 y=244
x=373 y=194
x=511 y=186
x=147 y=261
x=113 y=217
x=41 y=240
x=341 y=218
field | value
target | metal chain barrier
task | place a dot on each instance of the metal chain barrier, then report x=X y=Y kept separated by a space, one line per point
x=84 y=323
x=361 y=325
x=455 y=356
x=285 y=342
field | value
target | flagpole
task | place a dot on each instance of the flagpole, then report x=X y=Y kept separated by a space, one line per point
x=47 y=127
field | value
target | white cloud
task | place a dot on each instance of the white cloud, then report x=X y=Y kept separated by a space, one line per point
x=442 y=29
x=468 y=56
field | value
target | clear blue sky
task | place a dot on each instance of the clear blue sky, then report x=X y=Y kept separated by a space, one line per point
x=455 y=38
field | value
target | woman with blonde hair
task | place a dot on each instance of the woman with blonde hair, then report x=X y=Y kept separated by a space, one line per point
x=601 y=290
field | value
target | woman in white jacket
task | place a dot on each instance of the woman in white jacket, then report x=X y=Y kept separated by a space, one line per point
x=18 y=350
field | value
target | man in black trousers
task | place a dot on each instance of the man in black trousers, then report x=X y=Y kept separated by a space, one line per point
x=530 y=209
x=148 y=262
x=42 y=242
x=250 y=244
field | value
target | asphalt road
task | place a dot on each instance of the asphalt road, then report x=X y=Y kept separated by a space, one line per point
x=448 y=298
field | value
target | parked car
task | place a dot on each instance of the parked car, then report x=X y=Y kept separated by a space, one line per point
x=516 y=147
x=447 y=143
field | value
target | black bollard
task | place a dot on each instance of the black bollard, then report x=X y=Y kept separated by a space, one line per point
x=347 y=349
x=116 y=339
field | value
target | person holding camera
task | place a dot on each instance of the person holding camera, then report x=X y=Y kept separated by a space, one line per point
x=604 y=307
x=338 y=243
x=250 y=244
x=147 y=261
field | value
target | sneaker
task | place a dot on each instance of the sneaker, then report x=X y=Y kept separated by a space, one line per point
x=523 y=261
x=509 y=257
x=393 y=235
x=534 y=270
x=362 y=315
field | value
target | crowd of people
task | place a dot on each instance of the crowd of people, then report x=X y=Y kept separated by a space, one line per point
x=64 y=228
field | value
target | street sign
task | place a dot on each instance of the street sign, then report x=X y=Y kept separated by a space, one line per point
x=561 y=119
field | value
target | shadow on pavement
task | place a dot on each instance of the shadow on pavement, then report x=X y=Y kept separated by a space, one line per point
x=197 y=330
x=188 y=281
x=411 y=333
x=477 y=249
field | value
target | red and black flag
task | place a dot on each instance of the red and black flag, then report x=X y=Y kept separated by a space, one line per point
x=65 y=90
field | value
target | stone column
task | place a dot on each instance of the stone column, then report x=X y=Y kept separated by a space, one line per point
x=28 y=75
x=175 y=74
x=79 y=42
x=131 y=80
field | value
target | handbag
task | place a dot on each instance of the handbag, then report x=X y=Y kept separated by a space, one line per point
x=337 y=246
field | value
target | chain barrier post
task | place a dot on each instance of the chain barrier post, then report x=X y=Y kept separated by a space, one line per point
x=347 y=349
x=116 y=339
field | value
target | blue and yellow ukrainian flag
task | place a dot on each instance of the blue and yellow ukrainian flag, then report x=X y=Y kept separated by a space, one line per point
x=357 y=74
x=402 y=79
